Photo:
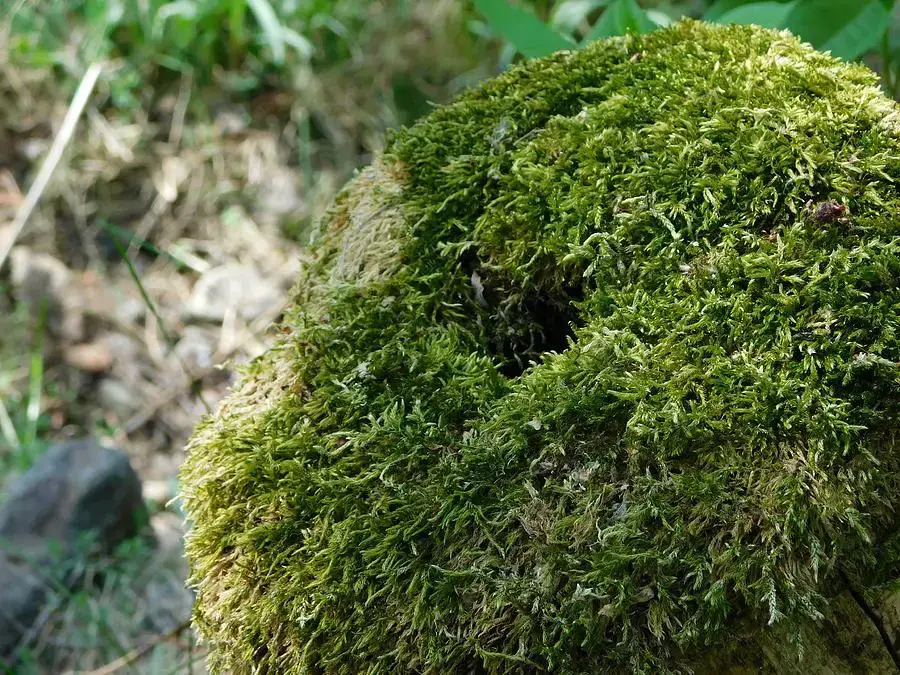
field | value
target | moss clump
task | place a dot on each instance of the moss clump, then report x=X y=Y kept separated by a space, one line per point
x=594 y=364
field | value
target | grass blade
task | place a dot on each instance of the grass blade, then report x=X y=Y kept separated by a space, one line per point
x=35 y=385
x=79 y=101
x=271 y=26
x=568 y=15
x=143 y=291
x=129 y=238
x=167 y=336
x=8 y=429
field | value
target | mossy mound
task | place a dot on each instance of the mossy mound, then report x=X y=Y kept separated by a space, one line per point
x=591 y=368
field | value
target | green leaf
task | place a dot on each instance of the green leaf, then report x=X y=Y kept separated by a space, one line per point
x=569 y=14
x=723 y=7
x=766 y=14
x=531 y=36
x=846 y=28
x=620 y=17
x=660 y=18
x=271 y=26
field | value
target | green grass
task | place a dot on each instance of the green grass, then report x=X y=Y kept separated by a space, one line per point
x=23 y=425
x=109 y=615
x=241 y=47
x=198 y=36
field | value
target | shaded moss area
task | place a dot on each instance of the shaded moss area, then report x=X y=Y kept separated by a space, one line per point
x=616 y=370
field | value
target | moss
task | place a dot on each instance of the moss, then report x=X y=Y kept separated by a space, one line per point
x=596 y=363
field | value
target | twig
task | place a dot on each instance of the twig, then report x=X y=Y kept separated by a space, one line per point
x=82 y=94
x=873 y=617
x=8 y=429
x=140 y=419
x=181 y=106
x=37 y=625
x=139 y=652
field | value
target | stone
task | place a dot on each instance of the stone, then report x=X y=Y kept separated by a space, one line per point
x=22 y=596
x=279 y=195
x=45 y=284
x=167 y=603
x=232 y=287
x=90 y=357
x=159 y=492
x=79 y=498
x=195 y=350
x=75 y=488
x=116 y=396
x=165 y=599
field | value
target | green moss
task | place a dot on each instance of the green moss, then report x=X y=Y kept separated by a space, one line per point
x=594 y=363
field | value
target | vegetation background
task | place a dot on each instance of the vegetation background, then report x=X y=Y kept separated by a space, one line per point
x=156 y=258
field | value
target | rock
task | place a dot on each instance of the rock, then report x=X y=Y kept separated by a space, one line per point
x=195 y=350
x=74 y=489
x=279 y=195
x=77 y=492
x=237 y=287
x=116 y=396
x=615 y=445
x=43 y=282
x=159 y=492
x=167 y=603
x=168 y=532
x=130 y=310
x=885 y=605
x=91 y=357
x=845 y=640
x=22 y=596
x=37 y=276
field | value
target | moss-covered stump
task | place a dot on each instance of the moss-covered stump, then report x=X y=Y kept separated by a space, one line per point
x=594 y=370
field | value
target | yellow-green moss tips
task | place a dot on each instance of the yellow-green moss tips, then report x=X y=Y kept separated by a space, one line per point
x=594 y=363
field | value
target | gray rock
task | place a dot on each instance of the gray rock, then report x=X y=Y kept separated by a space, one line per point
x=42 y=282
x=22 y=597
x=74 y=489
x=167 y=603
x=116 y=396
x=38 y=277
x=195 y=349
x=79 y=498
x=237 y=287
